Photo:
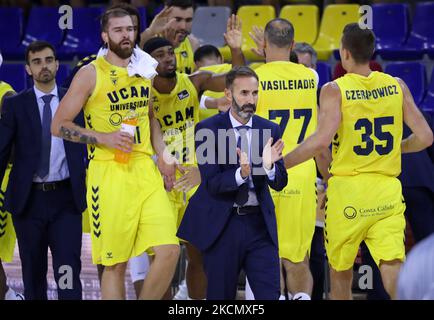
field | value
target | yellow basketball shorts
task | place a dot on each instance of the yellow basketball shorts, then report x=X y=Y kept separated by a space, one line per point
x=295 y=209
x=85 y=217
x=366 y=207
x=129 y=210
x=7 y=231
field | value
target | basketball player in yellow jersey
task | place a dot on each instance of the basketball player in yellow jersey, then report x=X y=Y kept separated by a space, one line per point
x=362 y=113
x=7 y=231
x=209 y=58
x=130 y=210
x=288 y=95
x=176 y=106
x=174 y=23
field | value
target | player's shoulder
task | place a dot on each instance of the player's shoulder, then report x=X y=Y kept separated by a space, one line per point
x=86 y=60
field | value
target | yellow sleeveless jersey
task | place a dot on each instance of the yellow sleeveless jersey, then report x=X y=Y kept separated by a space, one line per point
x=115 y=92
x=178 y=112
x=369 y=137
x=185 y=57
x=288 y=96
x=4 y=87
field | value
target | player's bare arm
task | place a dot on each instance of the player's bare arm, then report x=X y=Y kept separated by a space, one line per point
x=234 y=39
x=422 y=136
x=323 y=160
x=222 y=104
x=160 y=22
x=328 y=123
x=63 y=125
x=165 y=162
x=206 y=80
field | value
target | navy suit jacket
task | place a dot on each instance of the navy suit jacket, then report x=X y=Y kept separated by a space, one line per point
x=418 y=167
x=20 y=130
x=210 y=207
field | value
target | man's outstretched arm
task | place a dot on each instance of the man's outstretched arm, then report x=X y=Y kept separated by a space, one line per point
x=328 y=123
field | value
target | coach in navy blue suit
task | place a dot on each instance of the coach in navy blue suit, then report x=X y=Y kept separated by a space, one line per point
x=231 y=217
x=46 y=189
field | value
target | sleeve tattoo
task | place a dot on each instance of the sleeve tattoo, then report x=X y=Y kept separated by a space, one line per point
x=75 y=135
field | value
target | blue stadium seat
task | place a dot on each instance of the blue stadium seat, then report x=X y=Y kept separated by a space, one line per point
x=11 y=31
x=43 y=24
x=216 y=17
x=85 y=36
x=324 y=73
x=14 y=74
x=61 y=75
x=428 y=102
x=391 y=27
x=421 y=36
x=413 y=74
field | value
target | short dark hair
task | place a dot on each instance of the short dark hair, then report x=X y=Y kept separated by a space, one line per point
x=112 y=13
x=133 y=11
x=37 y=46
x=293 y=57
x=238 y=72
x=205 y=51
x=359 y=42
x=279 y=32
x=184 y=4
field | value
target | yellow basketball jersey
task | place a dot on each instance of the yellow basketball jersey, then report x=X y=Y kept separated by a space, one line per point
x=185 y=57
x=115 y=92
x=4 y=87
x=288 y=96
x=369 y=137
x=178 y=112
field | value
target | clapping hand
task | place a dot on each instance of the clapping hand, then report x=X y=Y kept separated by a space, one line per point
x=272 y=153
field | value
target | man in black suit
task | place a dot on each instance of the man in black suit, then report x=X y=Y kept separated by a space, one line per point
x=231 y=217
x=46 y=190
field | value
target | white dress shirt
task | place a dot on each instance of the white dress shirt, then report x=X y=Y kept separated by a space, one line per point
x=252 y=200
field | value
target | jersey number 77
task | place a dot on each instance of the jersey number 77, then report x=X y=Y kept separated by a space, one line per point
x=284 y=115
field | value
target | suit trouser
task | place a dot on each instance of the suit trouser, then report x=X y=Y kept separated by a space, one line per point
x=244 y=244
x=317 y=262
x=50 y=220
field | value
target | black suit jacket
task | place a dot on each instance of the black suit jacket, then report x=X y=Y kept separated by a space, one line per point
x=20 y=128
x=210 y=207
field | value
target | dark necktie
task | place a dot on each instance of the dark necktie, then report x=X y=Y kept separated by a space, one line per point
x=243 y=144
x=44 y=161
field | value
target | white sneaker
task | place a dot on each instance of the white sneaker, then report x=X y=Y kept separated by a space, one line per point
x=301 y=296
x=12 y=295
x=182 y=293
